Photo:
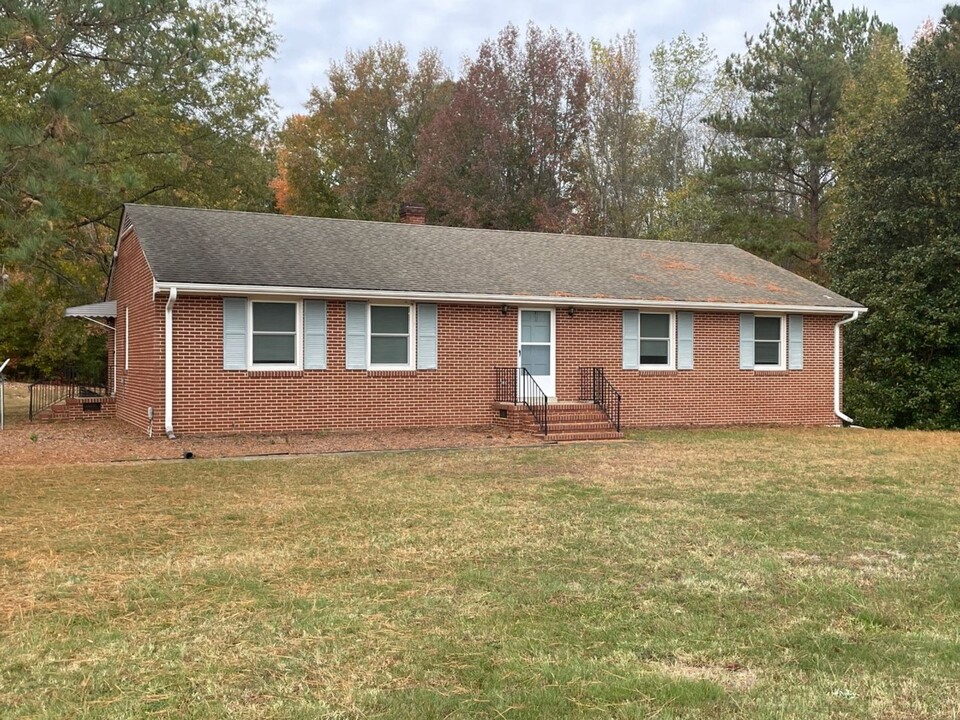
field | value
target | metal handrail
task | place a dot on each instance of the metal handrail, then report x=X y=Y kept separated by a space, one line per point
x=67 y=384
x=596 y=388
x=517 y=386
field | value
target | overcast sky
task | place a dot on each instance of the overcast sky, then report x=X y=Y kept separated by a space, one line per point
x=314 y=32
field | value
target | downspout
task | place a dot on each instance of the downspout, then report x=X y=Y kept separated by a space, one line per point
x=168 y=366
x=837 y=369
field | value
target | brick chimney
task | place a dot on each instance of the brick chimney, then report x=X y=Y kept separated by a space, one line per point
x=413 y=214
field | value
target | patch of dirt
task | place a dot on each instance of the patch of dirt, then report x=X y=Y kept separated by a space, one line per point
x=98 y=441
x=731 y=675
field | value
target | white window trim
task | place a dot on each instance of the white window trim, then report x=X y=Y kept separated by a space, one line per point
x=126 y=337
x=297 y=338
x=671 y=363
x=411 y=338
x=782 y=360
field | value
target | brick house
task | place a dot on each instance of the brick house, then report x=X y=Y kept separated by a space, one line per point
x=245 y=322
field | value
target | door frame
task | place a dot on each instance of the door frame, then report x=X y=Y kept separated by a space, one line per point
x=551 y=392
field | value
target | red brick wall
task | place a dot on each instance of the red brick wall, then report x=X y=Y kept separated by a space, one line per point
x=716 y=391
x=141 y=386
x=472 y=341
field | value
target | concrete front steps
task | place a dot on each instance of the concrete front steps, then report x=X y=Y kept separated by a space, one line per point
x=566 y=421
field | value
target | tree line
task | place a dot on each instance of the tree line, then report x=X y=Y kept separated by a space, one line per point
x=824 y=146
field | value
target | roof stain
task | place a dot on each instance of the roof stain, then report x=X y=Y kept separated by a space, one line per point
x=774 y=288
x=639 y=277
x=731 y=278
x=561 y=293
x=675 y=264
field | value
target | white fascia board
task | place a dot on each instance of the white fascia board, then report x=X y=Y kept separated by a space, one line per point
x=473 y=299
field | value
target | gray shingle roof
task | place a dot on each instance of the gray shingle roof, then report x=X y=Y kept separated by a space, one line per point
x=184 y=245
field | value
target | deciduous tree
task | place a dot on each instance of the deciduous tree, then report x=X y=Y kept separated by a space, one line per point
x=623 y=168
x=503 y=152
x=354 y=150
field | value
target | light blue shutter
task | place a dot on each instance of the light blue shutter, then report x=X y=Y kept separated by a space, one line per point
x=234 y=333
x=631 y=339
x=314 y=335
x=356 y=336
x=796 y=342
x=684 y=341
x=426 y=337
x=746 y=341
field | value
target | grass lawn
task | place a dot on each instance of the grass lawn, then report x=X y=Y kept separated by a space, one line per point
x=725 y=573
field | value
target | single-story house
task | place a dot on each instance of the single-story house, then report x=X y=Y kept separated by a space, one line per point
x=245 y=322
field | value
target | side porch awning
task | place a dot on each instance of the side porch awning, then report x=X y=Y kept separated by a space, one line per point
x=93 y=311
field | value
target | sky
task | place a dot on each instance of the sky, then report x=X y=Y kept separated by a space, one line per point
x=314 y=32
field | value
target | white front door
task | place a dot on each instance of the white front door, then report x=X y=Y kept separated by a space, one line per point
x=536 y=336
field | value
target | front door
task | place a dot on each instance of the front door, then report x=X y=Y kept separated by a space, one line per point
x=536 y=350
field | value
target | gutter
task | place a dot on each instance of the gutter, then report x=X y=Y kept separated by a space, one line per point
x=168 y=366
x=499 y=299
x=837 y=369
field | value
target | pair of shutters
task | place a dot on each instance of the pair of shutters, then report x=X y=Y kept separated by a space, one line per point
x=315 y=335
x=794 y=344
x=235 y=334
x=357 y=336
x=631 y=340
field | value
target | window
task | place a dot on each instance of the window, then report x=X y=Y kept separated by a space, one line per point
x=391 y=330
x=273 y=337
x=656 y=340
x=768 y=342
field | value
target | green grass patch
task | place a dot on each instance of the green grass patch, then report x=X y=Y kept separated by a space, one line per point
x=696 y=574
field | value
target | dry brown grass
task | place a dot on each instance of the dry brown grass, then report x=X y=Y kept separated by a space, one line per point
x=726 y=573
x=16 y=398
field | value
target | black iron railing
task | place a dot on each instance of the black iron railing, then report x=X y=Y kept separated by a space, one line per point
x=516 y=385
x=62 y=385
x=595 y=387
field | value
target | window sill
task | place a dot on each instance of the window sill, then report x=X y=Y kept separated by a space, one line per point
x=391 y=373
x=274 y=373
